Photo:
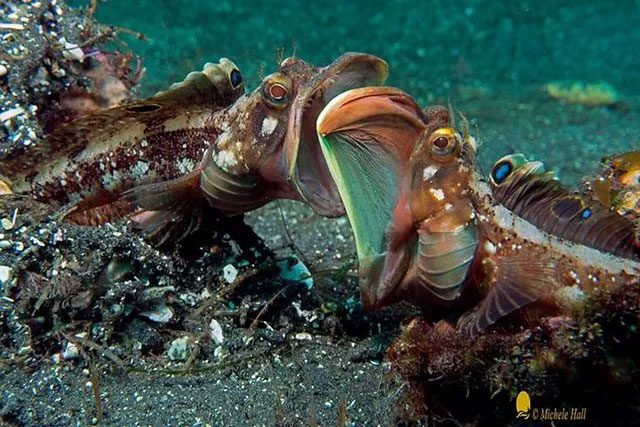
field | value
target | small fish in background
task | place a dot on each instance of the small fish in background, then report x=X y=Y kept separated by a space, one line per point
x=431 y=230
x=167 y=160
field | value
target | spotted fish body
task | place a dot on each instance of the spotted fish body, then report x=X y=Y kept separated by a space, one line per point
x=90 y=162
x=544 y=244
x=200 y=148
x=455 y=239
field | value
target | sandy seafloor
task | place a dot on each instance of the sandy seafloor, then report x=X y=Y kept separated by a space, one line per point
x=489 y=59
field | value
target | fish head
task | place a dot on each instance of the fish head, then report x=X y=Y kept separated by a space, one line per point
x=396 y=166
x=442 y=168
x=272 y=132
x=367 y=136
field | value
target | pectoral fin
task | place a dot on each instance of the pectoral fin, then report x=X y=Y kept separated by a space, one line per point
x=517 y=281
x=98 y=209
x=170 y=210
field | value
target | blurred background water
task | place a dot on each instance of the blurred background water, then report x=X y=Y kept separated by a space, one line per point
x=488 y=58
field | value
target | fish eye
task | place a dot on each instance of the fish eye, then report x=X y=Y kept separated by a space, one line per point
x=235 y=78
x=501 y=171
x=276 y=92
x=443 y=142
x=504 y=167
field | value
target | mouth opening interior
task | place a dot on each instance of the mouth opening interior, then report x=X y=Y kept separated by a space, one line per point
x=313 y=172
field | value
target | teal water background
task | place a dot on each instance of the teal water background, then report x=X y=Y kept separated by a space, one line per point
x=488 y=58
x=430 y=45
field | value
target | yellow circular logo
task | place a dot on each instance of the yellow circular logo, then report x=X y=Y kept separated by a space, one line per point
x=523 y=405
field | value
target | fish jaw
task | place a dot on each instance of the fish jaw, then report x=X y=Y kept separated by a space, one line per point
x=367 y=136
x=306 y=169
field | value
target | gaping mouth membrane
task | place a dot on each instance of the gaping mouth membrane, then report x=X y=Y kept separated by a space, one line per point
x=306 y=166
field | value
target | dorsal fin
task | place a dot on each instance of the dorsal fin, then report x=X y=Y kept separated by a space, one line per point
x=215 y=87
x=528 y=191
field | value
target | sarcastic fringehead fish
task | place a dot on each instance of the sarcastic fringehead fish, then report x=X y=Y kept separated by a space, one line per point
x=200 y=143
x=431 y=230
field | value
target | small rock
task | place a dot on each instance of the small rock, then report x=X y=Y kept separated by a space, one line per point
x=57 y=71
x=23 y=351
x=216 y=332
x=161 y=313
x=179 y=349
x=230 y=273
x=5 y=273
x=70 y=352
x=6 y=223
x=5 y=244
x=3 y=70
x=220 y=352
x=155 y=294
x=304 y=336
x=293 y=269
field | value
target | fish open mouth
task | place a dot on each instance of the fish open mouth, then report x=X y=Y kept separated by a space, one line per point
x=307 y=169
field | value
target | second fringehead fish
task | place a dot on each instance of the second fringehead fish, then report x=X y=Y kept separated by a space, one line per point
x=430 y=229
x=202 y=143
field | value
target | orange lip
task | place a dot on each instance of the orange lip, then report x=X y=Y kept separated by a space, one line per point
x=353 y=108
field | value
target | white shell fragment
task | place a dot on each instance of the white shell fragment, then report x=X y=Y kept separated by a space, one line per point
x=160 y=314
x=304 y=336
x=6 y=223
x=230 y=273
x=71 y=51
x=216 y=332
x=10 y=114
x=5 y=273
x=11 y=26
x=70 y=352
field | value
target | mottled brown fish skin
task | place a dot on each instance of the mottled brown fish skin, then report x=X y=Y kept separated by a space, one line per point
x=101 y=155
x=201 y=140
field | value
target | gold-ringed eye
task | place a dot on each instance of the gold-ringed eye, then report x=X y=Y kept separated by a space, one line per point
x=443 y=142
x=276 y=91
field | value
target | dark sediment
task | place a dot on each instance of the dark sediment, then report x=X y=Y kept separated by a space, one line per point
x=97 y=325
